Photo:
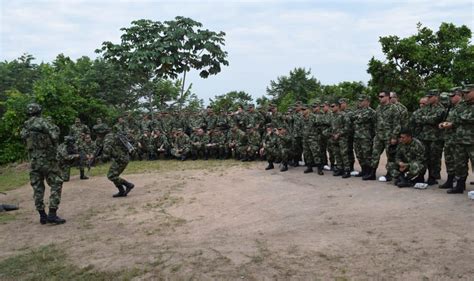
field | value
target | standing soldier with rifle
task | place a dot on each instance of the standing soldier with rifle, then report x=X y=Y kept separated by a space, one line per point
x=41 y=141
x=118 y=149
x=68 y=155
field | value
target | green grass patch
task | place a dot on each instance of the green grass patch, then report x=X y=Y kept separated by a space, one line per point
x=12 y=177
x=50 y=263
x=6 y=217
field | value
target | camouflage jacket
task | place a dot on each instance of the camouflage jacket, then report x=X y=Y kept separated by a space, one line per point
x=463 y=122
x=363 y=120
x=340 y=124
x=77 y=130
x=410 y=153
x=387 y=122
x=41 y=138
x=430 y=119
x=182 y=143
x=199 y=140
x=67 y=155
x=113 y=148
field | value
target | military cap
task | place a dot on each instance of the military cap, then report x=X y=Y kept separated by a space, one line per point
x=343 y=100
x=69 y=139
x=269 y=125
x=467 y=88
x=455 y=90
x=362 y=97
x=249 y=127
x=251 y=105
x=326 y=102
x=432 y=92
x=304 y=107
x=33 y=108
x=315 y=104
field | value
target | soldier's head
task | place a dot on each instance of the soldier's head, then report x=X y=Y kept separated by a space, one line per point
x=99 y=120
x=326 y=106
x=69 y=140
x=433 y=96
x=269 y=128
x=282 y=130
x=455 y=95
x=87 y=138
x=157 y=132
x=200 y=131
x=77 y=121
x=469 y=93
x=335 y=107
x=393 y=97
x=406 y=136
x=33 y=109
x=146 y=132
x=121 y=120
x=363 y=101
x=251 y=108
x=384 y=97
x=343 y=103
x=423 y=101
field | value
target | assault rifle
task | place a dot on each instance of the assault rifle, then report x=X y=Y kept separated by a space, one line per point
x=126 y=142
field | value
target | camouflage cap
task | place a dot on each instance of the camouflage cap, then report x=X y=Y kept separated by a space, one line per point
x=304 y=107
x=362 y=97
x=455 y=90
x=468 y=88
x=343 y=100
x=432 y=93
x=249 y=127
x=315 y=104
x=326 y=102
x=33 y=108
x=269 y=125
x=69 y=139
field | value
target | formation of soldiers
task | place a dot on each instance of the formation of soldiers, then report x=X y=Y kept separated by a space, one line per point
x=326 y=135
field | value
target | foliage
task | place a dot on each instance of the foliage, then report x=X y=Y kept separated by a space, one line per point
x=423 y=61
x=230 y=101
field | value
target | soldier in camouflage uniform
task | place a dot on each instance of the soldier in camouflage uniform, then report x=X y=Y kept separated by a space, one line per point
x=253 y=145
x=325 y=139
x=431 y=136
x=284 y=146
x=161 y=144
x=146 y=145
x=297 y=133
x=315 y=126
x=387 y=129
x=270 y=146
x=364 y=122
x=199 y=142
x=462 y=121
x=413 y=124
x=349 y=116
x=234 y=141
x=68 y=155
x=340 y=129
x=115 y=149
x=181 y=145
x=217 y=143
x=78 y=128
x=41 y=142
x=409 y=160
x=146 y=123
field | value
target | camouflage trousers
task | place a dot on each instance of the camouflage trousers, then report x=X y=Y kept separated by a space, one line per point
x=199 y=150
x=297 y=149
x=250 y=151
x=433 y=154
x=350 y=149
x=449 y=158
x=415 y=169
x=38 y=174
x=463 y=153
x=65 y=171
x=379 y=145
x=363 y=150
x=325 y=150
x=271 y=154
x=312 y=151
x=116 y=168
x=177 y=154
x=341 y=154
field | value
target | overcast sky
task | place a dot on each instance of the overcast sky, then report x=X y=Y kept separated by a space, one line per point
x=264 y=39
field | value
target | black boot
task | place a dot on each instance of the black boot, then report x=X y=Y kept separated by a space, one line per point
x=121 y=191
x=431 y=180
x=448 y=184
x=320 y=169
x=53 y=218
x=128 y=187
x=270 y=166
x=83 y=176
x=284 y=167
x=337 y=172
x=361 y=173
x=460 y=186
x=403 y=182
x=347 y=174
x=43 y=217
x=309 y=169
x=371 y=172
x=388 y=177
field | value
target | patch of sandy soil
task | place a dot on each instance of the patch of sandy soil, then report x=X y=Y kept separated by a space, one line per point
x=247 y=223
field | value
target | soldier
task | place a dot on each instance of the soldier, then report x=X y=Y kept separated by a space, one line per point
x=78 y=128
x=414 y=124
x=41 y=142
x=364 y=122
x=88 y=150
x=269 y=146
x=284 y=146
x=145 y=124
x=217 y=143
x=161 y=144
x=404 y=116
x=99 y=131
x=387 y=128
x=297 y=133
x=181 y=145
x=199 y=142
x=325 y=139
x=463 y=124
x=251 y=149
x=233 y=141
x=315 y=127
x=146 y=145
x=118 y=149
x=340 y=129
x=409 y=160
x=431 y=135
x=68 y=155
x=450 y=137
x=348 y=115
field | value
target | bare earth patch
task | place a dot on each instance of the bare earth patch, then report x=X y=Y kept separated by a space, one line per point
x=243 y=222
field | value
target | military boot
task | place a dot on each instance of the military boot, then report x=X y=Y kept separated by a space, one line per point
x=448 y=184
x=403 y=182
x=83 y=176
x=43 y=217
x=431 y=180
x=284 y=167
x=361 y=173
x=270 y=166
x=53 y=217
x=128 y=187
x=346 y=174
x=121 y=191
x=320 y=169
x=309 y=169
x=370 y=175
x=337 y=172
x=460 y=186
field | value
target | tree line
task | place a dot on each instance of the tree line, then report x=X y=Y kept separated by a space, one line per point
x=146 y=72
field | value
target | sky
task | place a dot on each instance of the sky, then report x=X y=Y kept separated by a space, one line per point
x=264 y=39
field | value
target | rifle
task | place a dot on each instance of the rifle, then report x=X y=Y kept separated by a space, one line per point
x=126 y=142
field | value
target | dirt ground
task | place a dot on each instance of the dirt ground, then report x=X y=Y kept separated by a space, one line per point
x=246 y=223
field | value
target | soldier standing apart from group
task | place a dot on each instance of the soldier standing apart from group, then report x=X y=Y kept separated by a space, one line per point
x=41 y=141
x=364 y=120
x=462 y=122
x=387 y=128
x=116 y=150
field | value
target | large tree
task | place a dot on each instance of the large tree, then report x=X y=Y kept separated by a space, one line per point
x=425 y=60
x=151 y=50
x=230 y=100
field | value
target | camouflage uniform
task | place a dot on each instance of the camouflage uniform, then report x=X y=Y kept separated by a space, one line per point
x=217 y=144
x=412 y=154
x=251 y=149
x=284 y=147
x=41 y=142
x=340 y=130
x=181 y=146
x=270 y=147
x=146 y=145
x=161 y=144
x=325 y=140
x=68 y=156
x=364 y=122
x=77 y=129
x=199 y=142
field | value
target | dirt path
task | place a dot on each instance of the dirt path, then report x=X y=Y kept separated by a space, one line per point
x=246 y=223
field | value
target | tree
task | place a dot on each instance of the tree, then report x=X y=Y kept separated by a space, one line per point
x=230 y=101
x=151 y=50
x=423 y=61
x=298 y=86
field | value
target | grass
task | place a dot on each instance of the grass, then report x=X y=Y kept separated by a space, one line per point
x=50 y=263
x=6 y=217
x=12 y=177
